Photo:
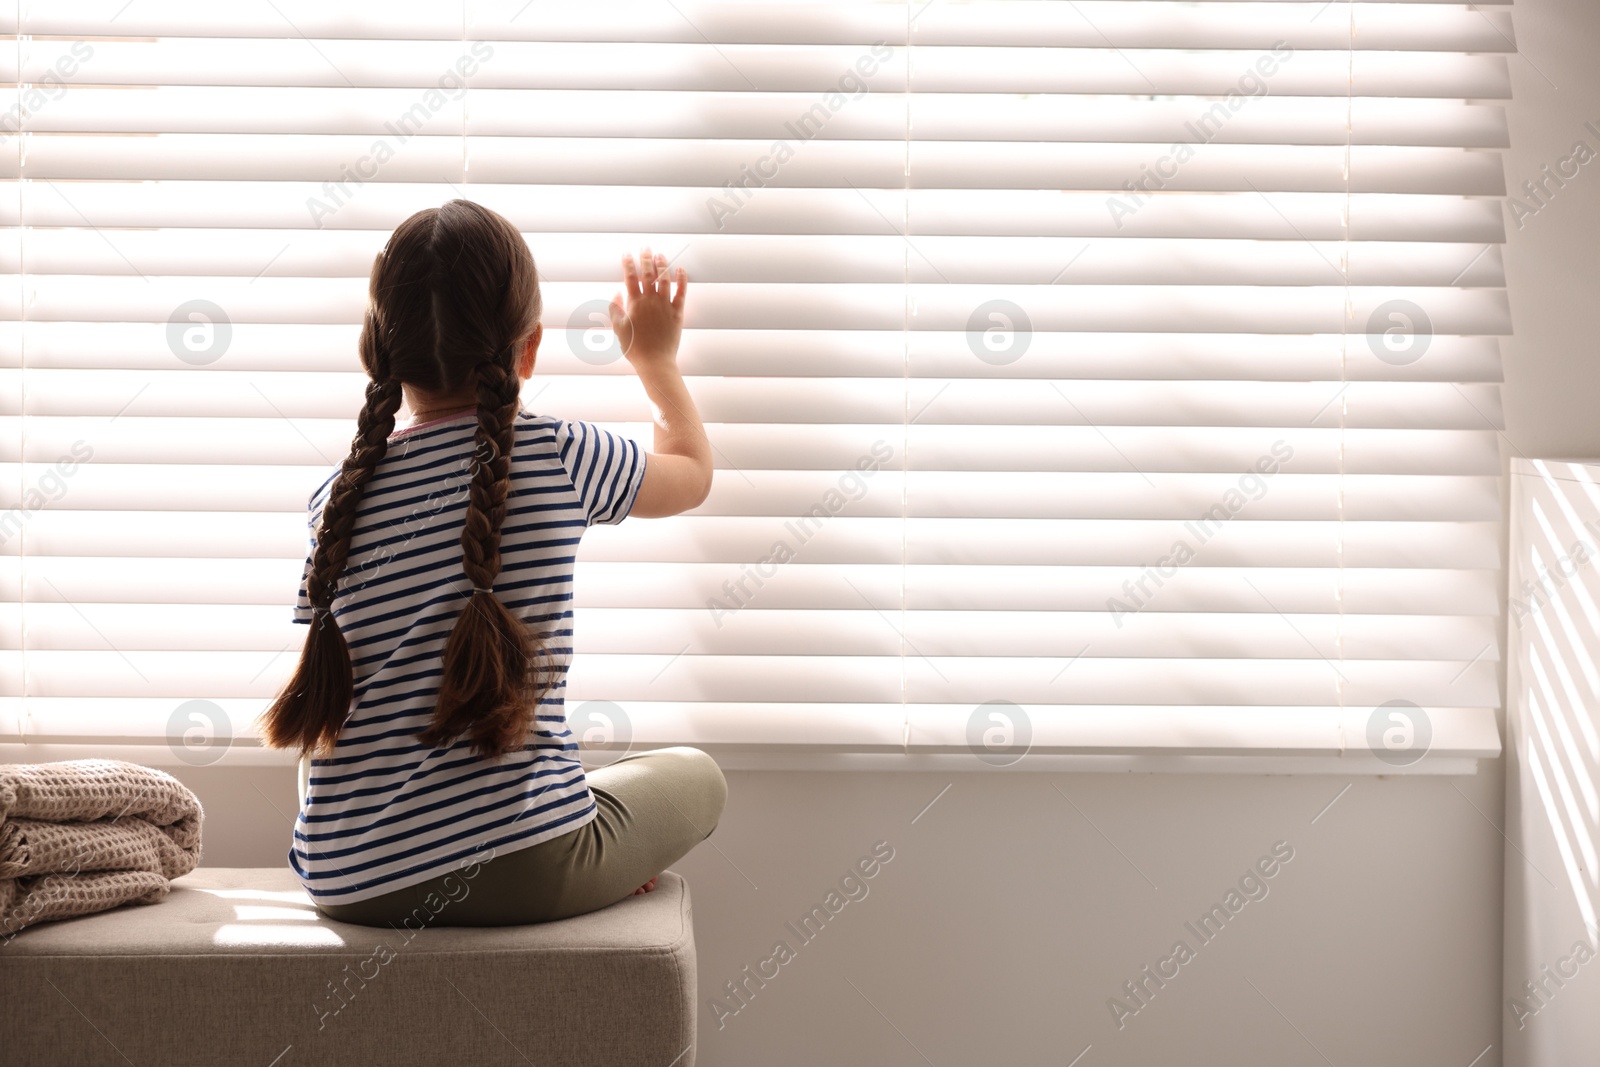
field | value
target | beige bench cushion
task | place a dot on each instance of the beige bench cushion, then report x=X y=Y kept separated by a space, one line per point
x=236 y=966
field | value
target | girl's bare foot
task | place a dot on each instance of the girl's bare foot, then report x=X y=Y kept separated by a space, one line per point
x=647 y=887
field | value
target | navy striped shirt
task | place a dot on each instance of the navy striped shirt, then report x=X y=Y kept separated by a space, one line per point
x=383 y=811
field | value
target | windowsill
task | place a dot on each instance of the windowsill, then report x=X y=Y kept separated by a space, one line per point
x=733 y=758
x=1243 y=742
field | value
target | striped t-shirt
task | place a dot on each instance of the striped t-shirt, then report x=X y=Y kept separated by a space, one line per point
x=384 y=811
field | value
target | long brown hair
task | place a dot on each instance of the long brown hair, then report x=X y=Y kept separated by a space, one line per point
x=453 y=297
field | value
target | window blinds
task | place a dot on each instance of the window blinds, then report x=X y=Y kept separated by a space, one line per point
x=1095 y=376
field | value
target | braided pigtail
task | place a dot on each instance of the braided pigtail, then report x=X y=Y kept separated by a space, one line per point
x=312 y=706
x=488 y=691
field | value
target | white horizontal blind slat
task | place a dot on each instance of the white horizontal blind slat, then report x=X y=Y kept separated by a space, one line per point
x=691 y=66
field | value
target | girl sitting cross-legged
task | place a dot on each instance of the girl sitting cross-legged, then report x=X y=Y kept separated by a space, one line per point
x=438 y=591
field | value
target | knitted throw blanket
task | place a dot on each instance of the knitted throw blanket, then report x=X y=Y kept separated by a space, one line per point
x=85 y=835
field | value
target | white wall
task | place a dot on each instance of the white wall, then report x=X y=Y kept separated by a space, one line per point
x=1553 y=740
x=1552 y=386
x=1010 y=915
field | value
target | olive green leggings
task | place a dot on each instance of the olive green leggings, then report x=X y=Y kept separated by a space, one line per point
x=653 y=808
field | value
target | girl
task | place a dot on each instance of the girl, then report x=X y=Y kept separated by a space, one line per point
x=438 y=590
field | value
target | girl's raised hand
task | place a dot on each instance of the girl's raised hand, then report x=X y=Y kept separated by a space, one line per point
x=650 y=323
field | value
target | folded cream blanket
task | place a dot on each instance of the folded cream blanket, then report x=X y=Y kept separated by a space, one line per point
x=85 y=835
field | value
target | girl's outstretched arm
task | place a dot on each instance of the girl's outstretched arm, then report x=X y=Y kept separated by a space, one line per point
x=677 y=473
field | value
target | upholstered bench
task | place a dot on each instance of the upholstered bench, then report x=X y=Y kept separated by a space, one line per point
x=236 y=967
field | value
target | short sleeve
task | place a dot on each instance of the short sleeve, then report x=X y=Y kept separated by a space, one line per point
x=606 y=469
